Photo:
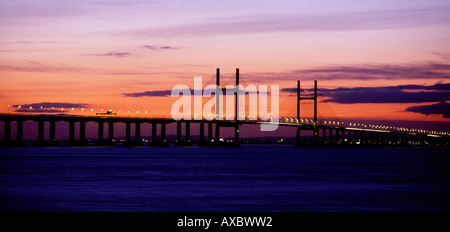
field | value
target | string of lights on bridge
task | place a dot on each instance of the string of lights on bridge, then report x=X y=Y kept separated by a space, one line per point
x=285 y=120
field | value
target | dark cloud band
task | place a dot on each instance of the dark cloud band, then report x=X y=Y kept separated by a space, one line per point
x=388 y=94
x=442 y=108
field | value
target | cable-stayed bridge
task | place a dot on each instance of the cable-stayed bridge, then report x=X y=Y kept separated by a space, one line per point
x=324 y=132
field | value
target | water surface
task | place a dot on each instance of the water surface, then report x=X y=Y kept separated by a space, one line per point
x=255 y=178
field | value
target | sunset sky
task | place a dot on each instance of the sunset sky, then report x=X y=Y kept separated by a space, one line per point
x=374 y=60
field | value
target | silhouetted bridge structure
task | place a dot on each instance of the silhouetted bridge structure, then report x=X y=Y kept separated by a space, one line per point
x=325 y=134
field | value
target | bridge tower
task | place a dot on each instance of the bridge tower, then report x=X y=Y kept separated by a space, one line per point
x=314 y=98
x=236 y=109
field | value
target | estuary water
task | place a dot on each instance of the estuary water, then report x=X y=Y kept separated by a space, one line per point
x=206 y=179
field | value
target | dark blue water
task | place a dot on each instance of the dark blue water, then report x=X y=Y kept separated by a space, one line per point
x=268 y=178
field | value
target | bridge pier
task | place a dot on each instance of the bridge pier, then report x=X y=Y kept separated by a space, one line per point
x=324 y=135
x=178 y=133
x=330 y=135
x=71 y=131
x=372 y=138
x=163 y=133
x=154 y=141
x=83 y=132
x=40 y=132
x=362 y=137
x=384 y=138
x=236 y=134
x=343 y=134
x=128 y=133
x=188 y=133
x=52 y=133
x=210 y=132
x=337 y=136
x=110 y=132
x=297 y=136
x=153 y=133
x=100 y=133
x=202 y=133
x=7 y=130
x=217 y=138
x=350 y=137
x=19 y=131
x=137 y=133
x=72 y=142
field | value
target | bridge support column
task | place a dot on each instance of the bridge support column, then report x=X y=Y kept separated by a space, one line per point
x=52 y=131
x=20 y=131
x=178 y=132
x=423 y=138
x=41 y=131
x=297 y=136
x=344 y=136
x=337 y=136
x=324 y=135
x=7 y=130
x=83 y=131
x=330 y=135
x=71 y=131
x=163 y=132
x=384 y=139
x=236 y=133
x=111 y=132
x=128 y=132
x=350 y=137
x=137 y=132
x=202 y=132
x=217 y=139
x=100 y=132
x=210 y=131
x=188 y=132
x=154 y=133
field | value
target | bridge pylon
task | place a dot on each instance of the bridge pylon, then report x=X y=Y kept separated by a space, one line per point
x=218 y=107
x=314 y=98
